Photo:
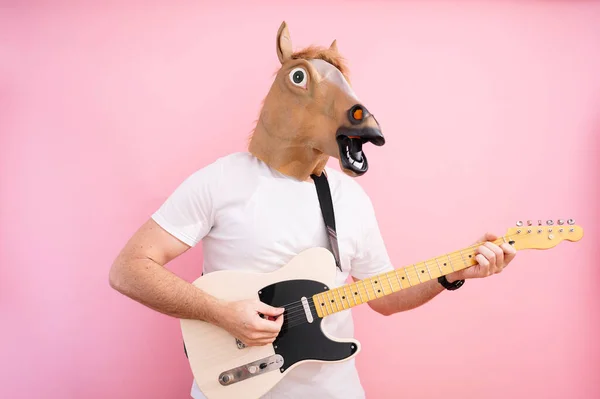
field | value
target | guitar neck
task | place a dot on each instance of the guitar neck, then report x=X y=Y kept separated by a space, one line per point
x=363 y=291
x=368 y=289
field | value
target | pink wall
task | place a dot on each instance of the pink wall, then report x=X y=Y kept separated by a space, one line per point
x=492 y=114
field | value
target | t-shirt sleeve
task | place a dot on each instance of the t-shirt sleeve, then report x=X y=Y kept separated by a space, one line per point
x=372 y=256
x=188 y=213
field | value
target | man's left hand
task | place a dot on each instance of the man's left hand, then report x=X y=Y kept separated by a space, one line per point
x=491 y=259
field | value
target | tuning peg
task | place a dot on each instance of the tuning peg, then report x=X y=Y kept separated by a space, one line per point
x=549 y=222
x=519 y=223
x=539 y=222
x=561 y=221
x=571 y=221
x=529 y=223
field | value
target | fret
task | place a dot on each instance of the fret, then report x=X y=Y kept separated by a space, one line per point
x=398 y=278
x=428 y=271
x=359 y=293
x=318 y=307
x=407 y=277
x=340 y=297
x=438 y=265
x=346 y=296
x=471 y=258
x=421 y=272
x=374 y=289
x=353 y=296
x=463 y=258
x=450 y=262
x=333 y=302
x=416 y=271
x=377 y=290
x=366 y=290
x=343 y=289
x=389 y=281
x=325 y=302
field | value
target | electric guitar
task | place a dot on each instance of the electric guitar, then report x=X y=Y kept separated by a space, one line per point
x=224 y=368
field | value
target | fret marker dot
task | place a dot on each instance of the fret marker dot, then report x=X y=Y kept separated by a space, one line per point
x=343 y=297
x=444 y=264
x=323 y=304
x=378 y=290
x=402 y=278
x=332 y=301
x=470 y=256
x=422 y=271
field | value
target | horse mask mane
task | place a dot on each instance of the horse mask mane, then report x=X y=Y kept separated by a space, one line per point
x=311 y=113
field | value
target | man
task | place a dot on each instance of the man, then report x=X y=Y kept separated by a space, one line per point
x=256 y=210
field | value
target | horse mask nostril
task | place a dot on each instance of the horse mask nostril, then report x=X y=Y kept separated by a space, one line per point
x=357 y=114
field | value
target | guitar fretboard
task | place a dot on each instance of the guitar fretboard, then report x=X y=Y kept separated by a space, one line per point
x=368 y=289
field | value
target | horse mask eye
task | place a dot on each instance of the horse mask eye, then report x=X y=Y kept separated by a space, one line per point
x=298 y=77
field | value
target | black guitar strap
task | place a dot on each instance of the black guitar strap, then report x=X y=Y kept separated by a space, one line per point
x=324 y=194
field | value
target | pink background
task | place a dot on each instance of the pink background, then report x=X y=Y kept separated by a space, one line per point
x=491 y=112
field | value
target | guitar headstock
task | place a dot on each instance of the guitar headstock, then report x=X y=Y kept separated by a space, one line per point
x=539 y=235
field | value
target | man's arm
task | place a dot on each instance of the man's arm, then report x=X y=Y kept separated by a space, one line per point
x=491 y=259
x=404 y=300
x=139 y=273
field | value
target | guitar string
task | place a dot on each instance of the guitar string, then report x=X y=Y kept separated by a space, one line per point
x=383 y=277
x=369 y=289
x=292 y=321
x=409 y=271
x=296 y=314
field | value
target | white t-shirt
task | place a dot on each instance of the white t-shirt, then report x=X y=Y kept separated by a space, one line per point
x=250 y=216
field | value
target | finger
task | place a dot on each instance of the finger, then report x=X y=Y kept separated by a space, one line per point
x=484 y=264
x=488 y=237
x=268 y=310
x=499 y=255
x=268 y=326
x=489 y=255
x=279 y=321
x=509 y=253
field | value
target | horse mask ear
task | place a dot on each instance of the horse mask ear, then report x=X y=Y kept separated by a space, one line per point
x=284 y=43
x=333 y=46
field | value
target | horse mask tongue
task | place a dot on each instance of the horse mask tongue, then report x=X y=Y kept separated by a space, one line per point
x=311 y=113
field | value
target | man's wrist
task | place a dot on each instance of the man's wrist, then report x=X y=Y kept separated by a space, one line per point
x=451 y=278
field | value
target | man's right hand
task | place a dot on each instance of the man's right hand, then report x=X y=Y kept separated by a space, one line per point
x=242 y=320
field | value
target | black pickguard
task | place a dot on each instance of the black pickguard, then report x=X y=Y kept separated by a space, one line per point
x=299 y=340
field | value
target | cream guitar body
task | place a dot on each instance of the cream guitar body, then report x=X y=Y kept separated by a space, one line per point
x=224 y=369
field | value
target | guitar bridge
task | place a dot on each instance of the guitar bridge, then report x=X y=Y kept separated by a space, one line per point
x=250 y=370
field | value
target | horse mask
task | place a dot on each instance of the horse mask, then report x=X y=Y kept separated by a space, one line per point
x=311 y=113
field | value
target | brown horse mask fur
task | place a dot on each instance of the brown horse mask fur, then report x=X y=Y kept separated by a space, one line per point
x=311 y=113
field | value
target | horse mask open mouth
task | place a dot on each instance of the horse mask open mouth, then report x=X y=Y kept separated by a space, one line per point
x=350 y=141
x=311 y=113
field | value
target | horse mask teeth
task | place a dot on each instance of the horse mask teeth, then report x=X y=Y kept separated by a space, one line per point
x=356 y=149
x=311 y=114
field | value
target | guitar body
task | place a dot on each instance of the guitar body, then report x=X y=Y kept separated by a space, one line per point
x=224 y=369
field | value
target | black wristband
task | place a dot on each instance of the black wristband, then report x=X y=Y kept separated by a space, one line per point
x=450 y=286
